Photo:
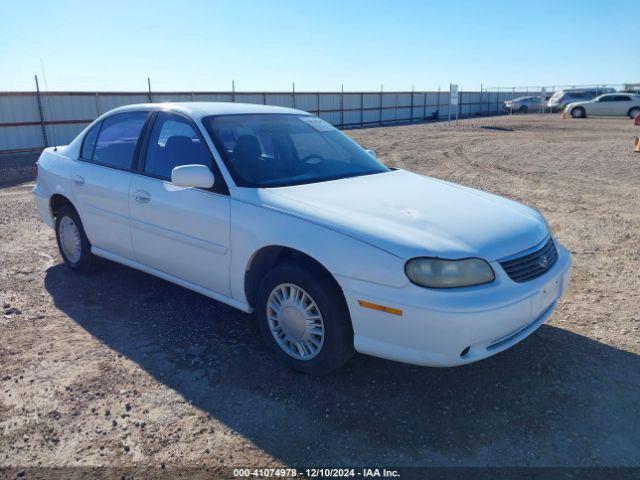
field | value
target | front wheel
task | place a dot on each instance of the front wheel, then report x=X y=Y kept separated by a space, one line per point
x=523 y=109
x=634 y=112
x=578 y=112
x=73 y=244
x=303 y=317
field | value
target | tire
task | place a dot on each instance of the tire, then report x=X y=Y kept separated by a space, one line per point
x=523 y=109
x=67 y=219
x=634 y=112
x=578 y=112
x=336 y=343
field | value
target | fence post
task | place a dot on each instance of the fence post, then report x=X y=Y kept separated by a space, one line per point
x=481 y=98
x=41 y=111
x=396 y=109
x=341 y=105
x=513 y=94
x=233 y=91
x=438 y=106
x=362 y=109
x=97 y=104
x=424 y=106
x=381 y=90
x=411 y=116
x=149 y=91
x=264 y=98
x=459 y=104
x=293 y=93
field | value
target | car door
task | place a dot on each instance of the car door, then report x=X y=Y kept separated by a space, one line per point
x=620 y=107
x=101 y=180
x=183 y=232
x=600 y=105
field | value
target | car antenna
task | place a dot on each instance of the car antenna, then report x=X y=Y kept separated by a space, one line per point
x=46 y=89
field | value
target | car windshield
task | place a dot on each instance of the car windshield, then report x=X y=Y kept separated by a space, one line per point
x=275 y=150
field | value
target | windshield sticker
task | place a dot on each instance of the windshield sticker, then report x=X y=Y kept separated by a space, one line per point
x=317 y=123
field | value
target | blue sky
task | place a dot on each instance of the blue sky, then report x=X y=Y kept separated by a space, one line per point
x=267 y=45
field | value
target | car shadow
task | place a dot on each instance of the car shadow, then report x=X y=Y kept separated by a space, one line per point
x=557 y=398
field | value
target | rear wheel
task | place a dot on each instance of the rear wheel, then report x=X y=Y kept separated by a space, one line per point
x=578 y=112
x=634 y=112
x=303 y=317
x=73 y=244
x=523 y=109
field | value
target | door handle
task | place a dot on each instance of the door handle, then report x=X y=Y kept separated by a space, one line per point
x=78 y=180
x=142 y=196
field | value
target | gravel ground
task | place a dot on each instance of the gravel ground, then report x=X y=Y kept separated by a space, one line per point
x=119 y=368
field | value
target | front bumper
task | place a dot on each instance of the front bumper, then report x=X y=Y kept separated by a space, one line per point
x=450 y=327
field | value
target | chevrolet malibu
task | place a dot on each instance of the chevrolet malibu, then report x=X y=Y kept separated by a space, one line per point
x=274 y=211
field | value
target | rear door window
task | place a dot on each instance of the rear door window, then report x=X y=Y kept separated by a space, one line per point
x=117 y=140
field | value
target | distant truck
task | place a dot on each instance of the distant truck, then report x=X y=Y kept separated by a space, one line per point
x=631 y=88
x=562 y=98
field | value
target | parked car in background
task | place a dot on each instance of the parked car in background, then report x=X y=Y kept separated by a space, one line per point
x=274 y=210
x=611 y=104
x=525 y=104
x=562 y=98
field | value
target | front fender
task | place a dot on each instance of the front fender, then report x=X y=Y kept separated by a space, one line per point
x=255 y=227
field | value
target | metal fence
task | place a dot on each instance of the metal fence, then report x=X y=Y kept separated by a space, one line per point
x=30 y=121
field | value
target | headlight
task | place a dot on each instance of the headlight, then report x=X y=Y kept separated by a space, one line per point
x=439 y=273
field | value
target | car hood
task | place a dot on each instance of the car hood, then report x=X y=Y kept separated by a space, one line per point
x=411 y=215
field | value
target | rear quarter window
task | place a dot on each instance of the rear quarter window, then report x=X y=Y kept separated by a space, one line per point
x=89 y=142
x=117 y=140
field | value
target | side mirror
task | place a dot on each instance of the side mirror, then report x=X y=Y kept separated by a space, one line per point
x=197 y=176
x=372 y=153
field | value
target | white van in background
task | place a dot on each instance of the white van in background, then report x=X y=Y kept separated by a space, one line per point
x=562 y=98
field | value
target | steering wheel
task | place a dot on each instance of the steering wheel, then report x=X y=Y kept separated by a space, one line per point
x=314 y=156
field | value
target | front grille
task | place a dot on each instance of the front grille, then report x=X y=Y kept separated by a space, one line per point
x=532 y=264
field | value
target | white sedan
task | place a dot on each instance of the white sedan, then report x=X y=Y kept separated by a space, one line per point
x=273 y=210
x=610 y=104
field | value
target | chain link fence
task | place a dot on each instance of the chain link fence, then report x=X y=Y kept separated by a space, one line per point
x=30 y=121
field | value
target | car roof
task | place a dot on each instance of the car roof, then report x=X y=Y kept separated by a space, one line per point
x=594 y=89
x=199 y=110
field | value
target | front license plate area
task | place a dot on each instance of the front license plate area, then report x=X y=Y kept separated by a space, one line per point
x=548 y=294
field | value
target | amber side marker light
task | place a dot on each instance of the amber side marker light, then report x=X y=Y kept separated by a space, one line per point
x=381 y=308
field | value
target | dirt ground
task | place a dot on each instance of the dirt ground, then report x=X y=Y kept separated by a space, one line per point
x=121 y=368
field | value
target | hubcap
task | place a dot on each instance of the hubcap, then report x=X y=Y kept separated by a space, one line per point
x=295 y=321
x=70 y=240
